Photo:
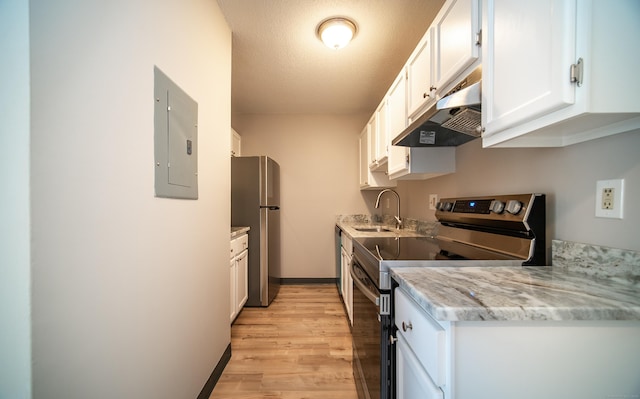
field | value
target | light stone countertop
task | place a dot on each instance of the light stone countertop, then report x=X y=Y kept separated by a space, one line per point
x=237 y=231
x=517 y=293
x=351 y=230
x=412 y=228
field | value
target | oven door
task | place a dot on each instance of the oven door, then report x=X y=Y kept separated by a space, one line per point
x=370 y=352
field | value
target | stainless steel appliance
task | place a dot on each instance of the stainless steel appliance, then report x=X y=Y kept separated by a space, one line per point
x=255 y=202
x=504 y=230
x=453 y=120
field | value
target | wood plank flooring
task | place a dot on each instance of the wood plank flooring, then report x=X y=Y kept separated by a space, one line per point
x=297 y=348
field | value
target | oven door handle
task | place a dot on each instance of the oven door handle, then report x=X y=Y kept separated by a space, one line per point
x=363 y=288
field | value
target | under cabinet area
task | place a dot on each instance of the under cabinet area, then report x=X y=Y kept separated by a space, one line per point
x=238 y=275
x=564 y=73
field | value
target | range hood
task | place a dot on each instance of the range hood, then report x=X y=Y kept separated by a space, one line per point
x=453 y=120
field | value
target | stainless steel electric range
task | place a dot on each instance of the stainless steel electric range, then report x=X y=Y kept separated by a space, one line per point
x=500 y=230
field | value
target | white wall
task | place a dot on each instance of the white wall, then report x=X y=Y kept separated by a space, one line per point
x=318 y=157
x=130 y=292
x=567 y=175
x=15 y=324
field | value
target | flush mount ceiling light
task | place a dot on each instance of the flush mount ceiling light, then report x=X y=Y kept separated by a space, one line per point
x=336 y=33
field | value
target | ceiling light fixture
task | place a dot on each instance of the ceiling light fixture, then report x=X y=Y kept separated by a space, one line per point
x=336 y=33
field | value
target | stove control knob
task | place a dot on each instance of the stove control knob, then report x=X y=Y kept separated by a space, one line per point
x=497 y=206
x=446 y=206
x=514 y=207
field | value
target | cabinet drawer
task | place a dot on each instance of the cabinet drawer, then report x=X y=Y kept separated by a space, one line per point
x=242 y=243
x=239 y=244
x=423 y=334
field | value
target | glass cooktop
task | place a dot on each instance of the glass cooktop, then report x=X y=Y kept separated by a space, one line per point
x=401 y=248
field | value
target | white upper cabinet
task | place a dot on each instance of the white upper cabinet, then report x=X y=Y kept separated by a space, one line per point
x=378 y=154
x=382 y=153
x=397 y=121
x=372 y=126
x=449 y=47
x=457 y=34
x=369 y=179
x=558 y=72
x=420 y=88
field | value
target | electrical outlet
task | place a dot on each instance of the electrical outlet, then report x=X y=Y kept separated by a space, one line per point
x=609 y=198
x=433 y=201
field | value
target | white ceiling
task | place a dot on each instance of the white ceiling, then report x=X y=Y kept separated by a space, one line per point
x=280 y=66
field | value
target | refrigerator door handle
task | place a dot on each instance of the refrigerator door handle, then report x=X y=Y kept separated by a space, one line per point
x=270 y=207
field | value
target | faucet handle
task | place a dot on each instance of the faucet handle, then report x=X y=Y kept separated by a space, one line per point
x=398 y=222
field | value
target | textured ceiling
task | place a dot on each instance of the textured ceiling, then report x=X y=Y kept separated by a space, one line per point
x=280 y=66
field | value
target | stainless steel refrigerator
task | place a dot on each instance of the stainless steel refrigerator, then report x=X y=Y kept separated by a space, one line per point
x=255 y=202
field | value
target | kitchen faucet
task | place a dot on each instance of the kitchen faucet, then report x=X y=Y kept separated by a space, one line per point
x=398 y=220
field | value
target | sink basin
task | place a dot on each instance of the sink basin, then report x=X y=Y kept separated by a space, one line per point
x=378 y=229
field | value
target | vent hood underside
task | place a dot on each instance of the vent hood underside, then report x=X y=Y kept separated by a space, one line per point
x=452 y=121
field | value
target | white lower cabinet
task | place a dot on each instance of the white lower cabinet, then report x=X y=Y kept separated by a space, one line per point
x=412 y=380
x=238 y=275
x=524 y=359
x=346 y=281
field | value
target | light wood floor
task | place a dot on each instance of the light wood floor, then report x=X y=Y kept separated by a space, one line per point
x=297 y=348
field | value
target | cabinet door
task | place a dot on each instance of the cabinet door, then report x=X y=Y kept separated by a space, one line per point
x=529 y=49
x=381 y=133
x=397 y=114
x=364 y=157
x=242 y=282
x=372 y=128
x=232 y=290
x=457 y=27
x=347 y=284
x=370 y=180
x=412 y=381
x=420 y=89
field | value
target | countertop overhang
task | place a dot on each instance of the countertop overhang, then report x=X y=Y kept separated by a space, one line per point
x=517 y=293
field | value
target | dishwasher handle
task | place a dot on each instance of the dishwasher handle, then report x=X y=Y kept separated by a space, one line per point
x=372 y=296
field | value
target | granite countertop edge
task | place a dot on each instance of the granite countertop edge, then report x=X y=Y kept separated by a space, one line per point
x=237 y=231
x=516 y=294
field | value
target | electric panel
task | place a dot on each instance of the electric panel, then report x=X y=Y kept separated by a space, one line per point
x=175 y=140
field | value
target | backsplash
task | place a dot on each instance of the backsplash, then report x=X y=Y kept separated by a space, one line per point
x=420 y=226
x=597 y=261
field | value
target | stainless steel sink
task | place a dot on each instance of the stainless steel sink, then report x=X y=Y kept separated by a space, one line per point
x=378 y=229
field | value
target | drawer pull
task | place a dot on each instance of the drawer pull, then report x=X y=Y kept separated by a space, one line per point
x=406 y=326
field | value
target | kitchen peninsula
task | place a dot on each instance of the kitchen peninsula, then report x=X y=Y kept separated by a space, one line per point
x=525 y=332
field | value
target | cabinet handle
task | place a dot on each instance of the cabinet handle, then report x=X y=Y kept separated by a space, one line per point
x=407 y=326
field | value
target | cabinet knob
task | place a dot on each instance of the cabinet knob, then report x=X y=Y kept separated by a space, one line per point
x=392 y=339
x=425 y=95
x=407 y=326
x=432 y=88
